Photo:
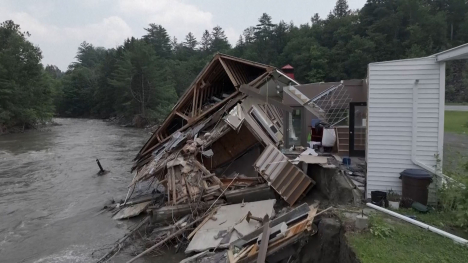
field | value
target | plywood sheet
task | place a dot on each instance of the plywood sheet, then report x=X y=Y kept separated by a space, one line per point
x=132 y=211
x=228 y=217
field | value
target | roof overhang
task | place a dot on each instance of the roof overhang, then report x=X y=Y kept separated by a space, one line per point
x=456 y=53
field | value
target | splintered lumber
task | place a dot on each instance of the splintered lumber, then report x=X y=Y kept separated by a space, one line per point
x=207 y=173
x=231 y=256
x=182 y=230
x=265 y=238
x=202 y=223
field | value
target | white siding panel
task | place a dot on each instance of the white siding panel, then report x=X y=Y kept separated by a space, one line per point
x=390 y=119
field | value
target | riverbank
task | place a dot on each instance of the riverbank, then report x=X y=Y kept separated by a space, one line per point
x=27 y=128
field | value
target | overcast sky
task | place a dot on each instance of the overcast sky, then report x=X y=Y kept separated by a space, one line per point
x=58 y=27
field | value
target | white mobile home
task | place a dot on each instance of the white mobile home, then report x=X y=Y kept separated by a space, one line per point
x=406 y=103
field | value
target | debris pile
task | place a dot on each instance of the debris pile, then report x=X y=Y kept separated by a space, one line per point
x=212 y=173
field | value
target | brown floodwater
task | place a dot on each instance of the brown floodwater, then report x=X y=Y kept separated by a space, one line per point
x=50 y=195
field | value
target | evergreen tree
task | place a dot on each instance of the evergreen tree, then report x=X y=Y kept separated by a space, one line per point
x=249 y=35
x=143 y=82
x=158 y=38
x=190 y=41
x=206 y=41
x=240 y=42
x=341 y=8
x=316 y=19
x=219 y=41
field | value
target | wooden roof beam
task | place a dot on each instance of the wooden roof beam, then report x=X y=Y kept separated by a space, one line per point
x=231 y=77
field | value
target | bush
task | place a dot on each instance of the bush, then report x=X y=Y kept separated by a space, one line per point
x=453 y=197
x=380 y=229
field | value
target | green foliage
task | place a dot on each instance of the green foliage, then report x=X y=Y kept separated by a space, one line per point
x=453 y=196
x=26 y=90
x=145 y=76
x=381 y=229
x=406 y=243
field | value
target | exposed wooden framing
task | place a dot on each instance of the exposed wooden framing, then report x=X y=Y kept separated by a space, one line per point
x=195 y=96
x=231 y=77
x=242 y=69
x=149 y=150
x=238 y=71
x=205 y=84
x=259 y=78
x=214 y=63
x=248 y=62
x=201 y=99
x=182 y=115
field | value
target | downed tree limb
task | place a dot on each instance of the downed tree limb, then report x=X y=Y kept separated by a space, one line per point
x=116 y=248
x=166 y=239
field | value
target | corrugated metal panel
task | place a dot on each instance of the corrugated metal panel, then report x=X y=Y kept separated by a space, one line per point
x=390 y=111
x=288 y=180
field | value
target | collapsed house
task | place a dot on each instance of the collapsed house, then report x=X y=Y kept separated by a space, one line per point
x=232 y=112
x=246 y=133
x=224 y=142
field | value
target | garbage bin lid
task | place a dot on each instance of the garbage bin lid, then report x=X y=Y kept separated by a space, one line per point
x=416 y=174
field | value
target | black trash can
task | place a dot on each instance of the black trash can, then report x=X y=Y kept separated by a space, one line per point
x=415 y=183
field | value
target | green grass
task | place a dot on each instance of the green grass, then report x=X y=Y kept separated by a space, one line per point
x=456 y=103
x=456 y=122
x=404 y=243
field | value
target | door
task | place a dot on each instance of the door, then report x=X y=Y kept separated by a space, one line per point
x=357 y=129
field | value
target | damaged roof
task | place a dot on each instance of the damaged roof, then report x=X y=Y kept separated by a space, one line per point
x=216 y=84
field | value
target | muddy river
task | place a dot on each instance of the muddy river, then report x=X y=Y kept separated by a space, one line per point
x=50 y=195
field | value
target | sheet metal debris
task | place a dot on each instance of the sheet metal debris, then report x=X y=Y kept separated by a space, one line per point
x=287 y=179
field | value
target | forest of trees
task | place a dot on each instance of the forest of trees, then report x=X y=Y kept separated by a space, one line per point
x=145 y=76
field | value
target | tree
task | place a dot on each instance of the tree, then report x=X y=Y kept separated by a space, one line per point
x=341 y=8
x=206 y=41
x=315 y=20
x=249 y=34
x=143 y=82
x=26 y=90
x=158 y=38
x=219 y=40
x=190 y=41
x=240 y=42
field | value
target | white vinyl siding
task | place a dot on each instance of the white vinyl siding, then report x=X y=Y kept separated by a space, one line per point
x=390 y=121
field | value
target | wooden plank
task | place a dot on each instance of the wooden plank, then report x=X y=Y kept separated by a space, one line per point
x=254 y=250
x=182 y=115
x=195 y=100
x=231 y=256
x=231 y=77
x=174 y=192
x=265 y=238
